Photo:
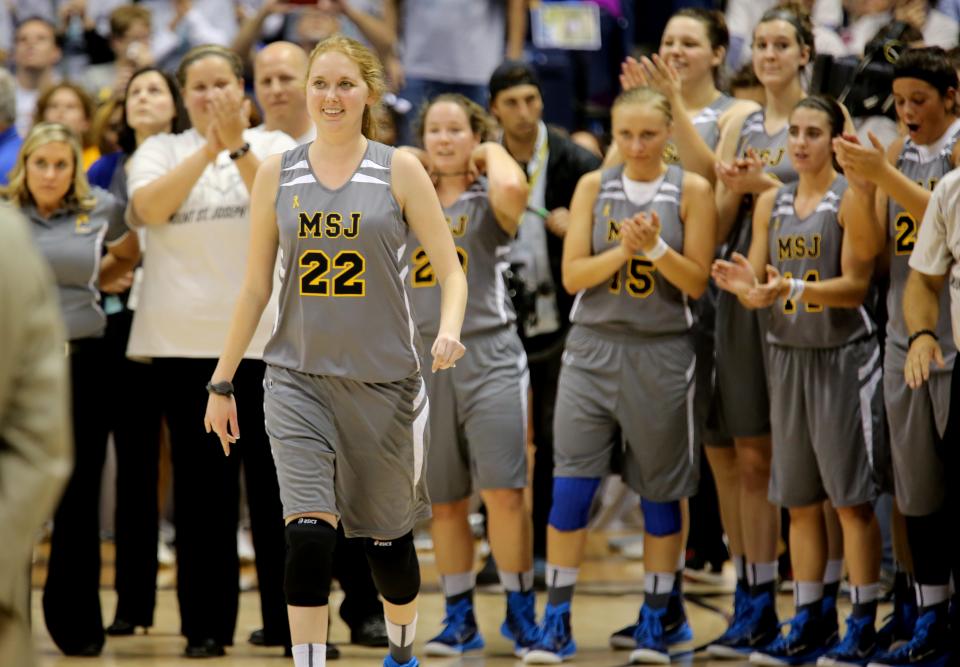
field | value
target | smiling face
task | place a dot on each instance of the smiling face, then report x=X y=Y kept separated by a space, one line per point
x=686 y=46
x=922 y=109
x=49 y=173
x=809 y=140
x=641 y=132
x=66 y=107
x=204 y=77
x=777 y=55
x=149 y=104
x=447 y=137
x=336 y=92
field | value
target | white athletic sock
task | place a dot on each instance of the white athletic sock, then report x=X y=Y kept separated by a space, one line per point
x=865 y=593
x=401 y=639
x=309 y=655
x=655 y=583
x=807 y=592
x=516 y=582
x=928 y=596
x=759 y=574
x=561 y=577
x=740 y=565
x=456 y=584
x=834 y=571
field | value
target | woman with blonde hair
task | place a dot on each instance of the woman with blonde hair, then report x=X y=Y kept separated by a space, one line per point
x=191 y=193
x=346 y=405
x=73 y=224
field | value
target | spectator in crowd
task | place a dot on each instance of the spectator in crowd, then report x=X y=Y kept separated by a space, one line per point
x=553 y=164
x=436 y=59
x=9 y=137
x=280 y=70
x=35 y=56
x=69 y=104
x=203 y=176
x=180 y=25
x=306 y=25
x=106 y=127
x=130 y=42
x=152 y=105
x=81 y=233
x=34 y=434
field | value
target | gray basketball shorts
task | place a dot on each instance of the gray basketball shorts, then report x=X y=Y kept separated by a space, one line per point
x=713 y=428
x=354 y=449
x=633 y=393
x=741 y=370
x=478 y=418
x=826 y=408
x=917 y=419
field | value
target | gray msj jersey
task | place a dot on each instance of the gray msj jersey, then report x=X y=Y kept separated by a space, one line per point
x=482 y=248
x=343 y=309
x=809 y=249
x=902 y=230
x=707 y=125
x=636 y=299
x=772 y=149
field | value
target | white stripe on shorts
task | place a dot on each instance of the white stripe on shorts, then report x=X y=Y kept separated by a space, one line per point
x=867 y=393
x=419 y=428
x=691 y=395
x=524 y=391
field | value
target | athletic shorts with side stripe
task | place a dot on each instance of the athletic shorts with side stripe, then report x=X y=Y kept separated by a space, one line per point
x=641 y=388
x=918 y=419
x=713 y=428
x=478 y=418
x=826 y=409
x=353 y=449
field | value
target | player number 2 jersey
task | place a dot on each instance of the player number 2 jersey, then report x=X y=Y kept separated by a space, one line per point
x=636 y=299
x=343 y=309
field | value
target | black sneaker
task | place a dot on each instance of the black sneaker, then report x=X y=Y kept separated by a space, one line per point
x=755 y=626
x=805 y=643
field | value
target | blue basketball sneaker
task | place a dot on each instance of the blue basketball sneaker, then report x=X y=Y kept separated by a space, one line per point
x=806 y=642
x=756 y=627
x=650 y=638
x=460 y=633
x=390 y=662
x=520 y=625
x=555 y=641
x=930 y=645
x=898 y=626
x=858 y=645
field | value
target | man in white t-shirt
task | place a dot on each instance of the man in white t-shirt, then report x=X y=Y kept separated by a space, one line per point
x=936 y=260
x=279 y=71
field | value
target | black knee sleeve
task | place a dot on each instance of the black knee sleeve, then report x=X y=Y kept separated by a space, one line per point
x=931 y=557
x=310 y=545
x=395 y=568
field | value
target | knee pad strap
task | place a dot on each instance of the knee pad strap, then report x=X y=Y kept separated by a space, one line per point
x=309 y=565
x=395 y=569
x=572 y=497
x=661 y=519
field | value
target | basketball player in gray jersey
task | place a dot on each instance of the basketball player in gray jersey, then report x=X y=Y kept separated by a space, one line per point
x=478 y=410
x=345 y=404
x=825 y=400
x=637 y=249
x=924 y=90
x=686 y=70
x=753 y=159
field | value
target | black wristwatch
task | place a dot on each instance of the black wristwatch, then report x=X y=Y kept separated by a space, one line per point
x=240 y=152
x=922 y=332
x=224 y=388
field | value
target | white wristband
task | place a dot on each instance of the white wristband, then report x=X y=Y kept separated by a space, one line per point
x=658 y=251
x=796 y=289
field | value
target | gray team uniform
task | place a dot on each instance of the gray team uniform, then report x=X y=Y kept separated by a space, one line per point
x=824 y=363
x=740 y=344
x=629 y=363
x=917 y=417
x=708 y=412
x=346 y=409
x=478 y=415
x=72 y=241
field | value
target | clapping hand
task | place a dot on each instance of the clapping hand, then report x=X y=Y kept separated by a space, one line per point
x=735 y=276
x=744 y=175
x=763 y=295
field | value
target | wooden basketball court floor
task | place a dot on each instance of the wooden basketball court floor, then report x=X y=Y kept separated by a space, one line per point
x=608 y=596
